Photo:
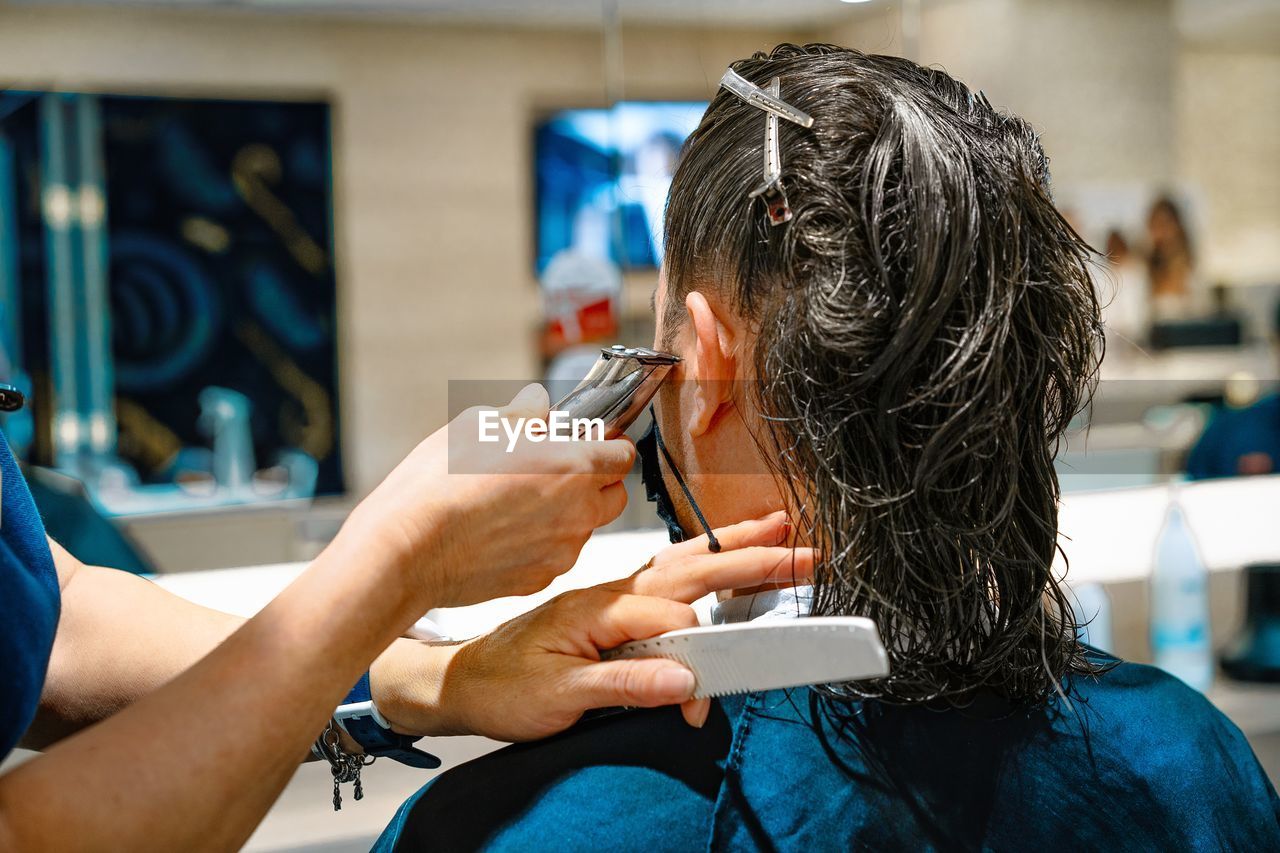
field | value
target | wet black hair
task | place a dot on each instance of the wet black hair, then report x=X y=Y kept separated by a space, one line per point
x=927 y=329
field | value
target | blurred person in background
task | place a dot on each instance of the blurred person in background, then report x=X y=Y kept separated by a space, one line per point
x=1170 y=262
x=1240 y=442
x=893 y=367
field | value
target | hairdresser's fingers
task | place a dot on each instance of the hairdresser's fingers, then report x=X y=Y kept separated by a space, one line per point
x=638 y=683
x=695 y=712
x=607 y=618
x=531 y=402
x=772 y=529
x=690 y=578
x=613 y=500
x=610 y=460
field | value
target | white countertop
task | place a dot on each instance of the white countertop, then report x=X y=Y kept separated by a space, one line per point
x=245 y=591
x=1107 y=537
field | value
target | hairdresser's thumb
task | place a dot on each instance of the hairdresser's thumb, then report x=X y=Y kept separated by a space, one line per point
x=531 y=402
x=696 y=711
x=638 y=683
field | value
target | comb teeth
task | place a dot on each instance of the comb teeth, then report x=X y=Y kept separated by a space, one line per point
x=718 y=676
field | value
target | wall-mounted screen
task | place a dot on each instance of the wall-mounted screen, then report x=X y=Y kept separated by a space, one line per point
x=602 y=177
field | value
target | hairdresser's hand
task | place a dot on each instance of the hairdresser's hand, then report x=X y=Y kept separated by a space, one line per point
x=472 y=521
x=536 y=675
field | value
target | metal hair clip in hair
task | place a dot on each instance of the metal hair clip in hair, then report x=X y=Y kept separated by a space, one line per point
x=767 y=101
x=775 y=199
x=775 y=108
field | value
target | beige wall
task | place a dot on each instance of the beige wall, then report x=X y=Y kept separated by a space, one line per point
x=1095 y=77
x=1228 y=151
x=432 y=172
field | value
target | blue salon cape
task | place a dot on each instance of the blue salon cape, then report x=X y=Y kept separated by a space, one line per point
x=29 y=604
x=1141 y=762
x=1239 y=441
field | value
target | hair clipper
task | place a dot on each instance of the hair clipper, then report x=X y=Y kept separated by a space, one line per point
x=618 y=387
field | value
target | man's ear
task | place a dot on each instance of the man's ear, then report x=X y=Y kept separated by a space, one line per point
x=715 y=364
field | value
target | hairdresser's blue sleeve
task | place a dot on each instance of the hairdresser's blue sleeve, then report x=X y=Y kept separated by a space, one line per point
x=30 y=603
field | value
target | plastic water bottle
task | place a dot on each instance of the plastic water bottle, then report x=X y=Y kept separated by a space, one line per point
x=1180 y=604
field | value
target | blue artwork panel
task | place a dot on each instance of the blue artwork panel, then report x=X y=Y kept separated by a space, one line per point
x=220 y=275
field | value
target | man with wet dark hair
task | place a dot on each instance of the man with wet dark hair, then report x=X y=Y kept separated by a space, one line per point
x=887 y=347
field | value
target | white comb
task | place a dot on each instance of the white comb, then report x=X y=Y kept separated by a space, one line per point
x=769 y=655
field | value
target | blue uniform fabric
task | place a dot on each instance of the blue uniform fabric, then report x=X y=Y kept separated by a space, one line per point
x=1239 y=441
x=1139 y=762
x=29 y=604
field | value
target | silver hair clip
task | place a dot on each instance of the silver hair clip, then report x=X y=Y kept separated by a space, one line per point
x=775 y=108
x=767 y=101
x=775 y=199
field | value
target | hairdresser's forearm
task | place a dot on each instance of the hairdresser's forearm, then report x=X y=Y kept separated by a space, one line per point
x=198 y=762
x=119 y=638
